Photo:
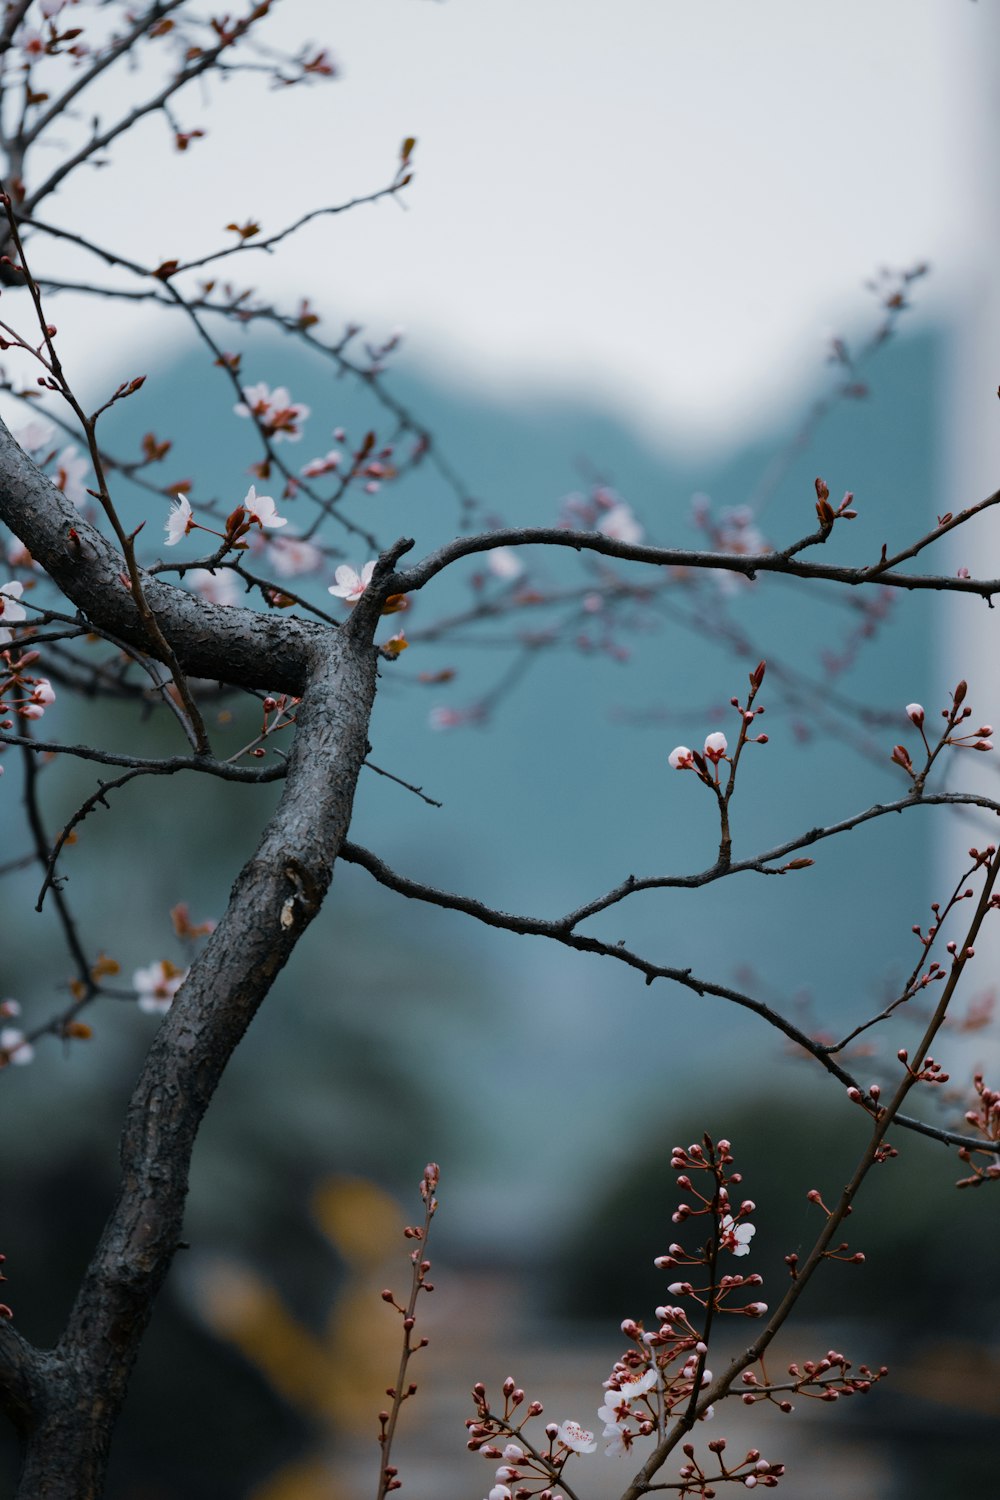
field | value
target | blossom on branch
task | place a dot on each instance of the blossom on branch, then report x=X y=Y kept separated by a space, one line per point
x=157 y=986
x=180 y=521
x=290 y=555
x=42 y=695
x=504 y=563
x=13 y=1047
x=262 y=509
x=620 y=525
x=216 y=586
x=11 y=612
x=351 y=585
x=576 y=1438
x=71 y=470
x=37 y=436
x=278 y=415
x=735 y=1237
x=715 y=747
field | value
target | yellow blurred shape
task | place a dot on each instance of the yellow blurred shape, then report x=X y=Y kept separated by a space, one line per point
x=361 y=1221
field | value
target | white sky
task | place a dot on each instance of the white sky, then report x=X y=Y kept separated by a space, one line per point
x=665 y=204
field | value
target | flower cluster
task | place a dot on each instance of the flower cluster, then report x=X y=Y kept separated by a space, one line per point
x=14 y=1048
x=525 y=1468
x=350 y=585
x=20 y=692
x=253 y=510
x=735 y=531
x=157 y=985
x=276 y=413
x=957 y=713
x=716 y=749
x=604 y=511
x=986 y=1121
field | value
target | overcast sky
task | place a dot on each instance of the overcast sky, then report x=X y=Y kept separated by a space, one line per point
x=665 y=204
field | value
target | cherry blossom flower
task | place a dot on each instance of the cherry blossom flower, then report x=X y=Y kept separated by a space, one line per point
x=11 y=612
x=71 y=470
x=621 y=525
x=13 y=1044
x=715 y=747
x=504 y=563
x=218 y=587
x=634 y=1387
x=158 y=985
x=41 y=697
x=681 y=758
x=445 y=718
x=263 y=510
x=499 y=1492
x=36 y=436
x=290 y=555
x=915 y=712
x=275 y=410
x=351 y=585
x=576 y=1438
x=325 y=465
x=179 y=521
x=30 y=41
x=735 y=1237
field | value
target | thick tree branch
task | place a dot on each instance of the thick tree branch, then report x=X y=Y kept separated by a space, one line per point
x=274 y=899
x=223 y=643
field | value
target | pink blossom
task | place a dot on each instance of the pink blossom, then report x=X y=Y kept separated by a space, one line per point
x=179 y=521
x=11 y=612
x=41 y=697
x=503 y=562
x=275 y=410
x=621 y=525
x=915 y=712
x=158 y=985
x=17 y=1049
x=576 y=1438
x=36 y=436
x=681 y=758
x=632 y=1388
x=30 y=41
x=71 y=470
x=262 y=509
x=715 y=747
x=445 y=718
x=290 y=555
x=351 y=585
x=325 y=465
x=735 y=1237
x=218 y=587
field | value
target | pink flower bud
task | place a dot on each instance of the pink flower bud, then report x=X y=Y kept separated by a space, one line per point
x=681 y=758
x=715 y=747
x=915 y=712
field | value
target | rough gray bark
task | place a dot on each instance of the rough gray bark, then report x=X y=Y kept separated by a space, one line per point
x=64 y=1402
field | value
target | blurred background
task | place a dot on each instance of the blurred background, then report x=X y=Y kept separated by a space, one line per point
x=636 y=237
